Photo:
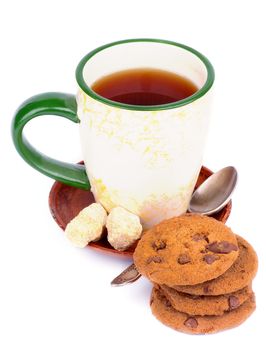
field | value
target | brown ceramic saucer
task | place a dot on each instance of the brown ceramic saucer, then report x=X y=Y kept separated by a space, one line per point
x=66 y=202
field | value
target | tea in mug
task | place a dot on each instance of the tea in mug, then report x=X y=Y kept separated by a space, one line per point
x=144 y=87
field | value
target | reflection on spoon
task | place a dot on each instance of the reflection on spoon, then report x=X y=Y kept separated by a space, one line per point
x=214 y=193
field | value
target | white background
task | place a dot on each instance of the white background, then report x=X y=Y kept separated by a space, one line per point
x=54 y=296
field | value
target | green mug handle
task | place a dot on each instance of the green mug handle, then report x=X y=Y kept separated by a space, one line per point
x=51 y=103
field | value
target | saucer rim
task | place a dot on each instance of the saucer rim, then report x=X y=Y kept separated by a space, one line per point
x=57 y=187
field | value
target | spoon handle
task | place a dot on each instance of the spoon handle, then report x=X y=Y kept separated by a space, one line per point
x=129 y=275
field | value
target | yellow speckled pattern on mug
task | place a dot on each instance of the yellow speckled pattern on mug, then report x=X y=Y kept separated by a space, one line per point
x=145 y=161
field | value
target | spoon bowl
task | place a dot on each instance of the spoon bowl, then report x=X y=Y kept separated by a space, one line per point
x=214 y=193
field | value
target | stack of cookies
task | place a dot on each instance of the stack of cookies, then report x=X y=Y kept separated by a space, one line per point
x=202 y=274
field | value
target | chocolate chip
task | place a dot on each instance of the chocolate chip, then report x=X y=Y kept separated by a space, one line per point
x=222 y=247
x=209 y=259
x=200 y=236
x=151 y=301
x=158 y=245
x=233 y=302
x=183 y=259
x=191 y=322
x=155 y=259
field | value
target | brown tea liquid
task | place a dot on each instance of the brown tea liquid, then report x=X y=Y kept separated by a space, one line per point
x=144 y=86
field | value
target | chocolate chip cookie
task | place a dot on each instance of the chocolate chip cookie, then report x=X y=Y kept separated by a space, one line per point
x=186 y=250
x=239 y=275
x=205 y=305
x=164 y=312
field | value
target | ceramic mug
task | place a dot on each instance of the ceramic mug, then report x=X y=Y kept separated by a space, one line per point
x=143 y=158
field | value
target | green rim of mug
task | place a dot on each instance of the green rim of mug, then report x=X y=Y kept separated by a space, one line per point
x=202 y=91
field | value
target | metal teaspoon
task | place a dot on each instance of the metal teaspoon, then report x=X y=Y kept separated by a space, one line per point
x=210 y=197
